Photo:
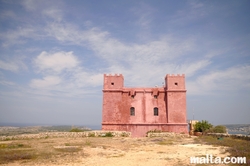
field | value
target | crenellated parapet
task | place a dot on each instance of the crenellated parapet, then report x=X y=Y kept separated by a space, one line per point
x=112 y=75
x=175 y=75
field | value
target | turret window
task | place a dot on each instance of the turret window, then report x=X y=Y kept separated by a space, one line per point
x=132 y=111
x=155 y=111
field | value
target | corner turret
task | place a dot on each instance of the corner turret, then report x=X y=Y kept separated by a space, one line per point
x=113 y=81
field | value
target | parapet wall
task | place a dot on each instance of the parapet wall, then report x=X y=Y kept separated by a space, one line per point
x=113 y=75
x=44 y=135
x=168 y=134
x=175 y=75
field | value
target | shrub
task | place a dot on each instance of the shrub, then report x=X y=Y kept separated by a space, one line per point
x=154 y=131
x=76 y=130
x=202 y=126
x=124 y=134
x=91 y=135
x=218 y=129
x=108 y=134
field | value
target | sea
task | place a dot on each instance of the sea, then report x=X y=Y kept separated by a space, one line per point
x=92 y=127
x=238 y=132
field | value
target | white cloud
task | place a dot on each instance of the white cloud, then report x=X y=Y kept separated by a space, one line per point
x=46 y=82
x=30 y=5
x=191 y=68
x=55 y=14
x=63 y=73
x=141 y=63
x=9 y=66
x=7 y=83
x=18 y=36
x=14 y=64
x=84 y=79
x=231 y=79
x=56 y=62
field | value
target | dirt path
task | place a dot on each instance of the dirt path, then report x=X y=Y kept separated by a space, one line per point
x=113 y=151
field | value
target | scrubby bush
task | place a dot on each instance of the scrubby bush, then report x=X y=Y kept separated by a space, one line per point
x=108 y=134
x=218 y=129
x=91 y=134
x=124 y=134
x=202 y=126
x=154 y=131
x=76 y=130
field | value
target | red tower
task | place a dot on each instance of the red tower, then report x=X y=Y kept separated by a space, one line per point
x=139 y=110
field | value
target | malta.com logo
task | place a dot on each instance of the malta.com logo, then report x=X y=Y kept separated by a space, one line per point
x=210 y=159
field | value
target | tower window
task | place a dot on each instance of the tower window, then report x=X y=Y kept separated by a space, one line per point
x=112 y=83
x=155 y=111
x=155 y=96
x=132 y=111
x=176 y=83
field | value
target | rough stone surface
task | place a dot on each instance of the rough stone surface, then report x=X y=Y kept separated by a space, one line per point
x=169 y=100
x=66 y=135
x=168 y=134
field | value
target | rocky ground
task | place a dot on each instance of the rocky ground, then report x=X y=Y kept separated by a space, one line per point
x=105 y=151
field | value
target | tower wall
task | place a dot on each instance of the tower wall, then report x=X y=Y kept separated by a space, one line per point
x=112 y=97
x=176 y=98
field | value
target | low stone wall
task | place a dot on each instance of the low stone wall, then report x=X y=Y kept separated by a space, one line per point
x=167 y=134
x=67 y=135
x=237 y=136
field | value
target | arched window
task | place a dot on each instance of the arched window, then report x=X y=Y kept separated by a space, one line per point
x=132 y=111
x=155 y=111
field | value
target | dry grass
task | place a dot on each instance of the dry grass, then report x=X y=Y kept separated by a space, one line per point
x=10 y=152
x=96 y=150
x=237 y=147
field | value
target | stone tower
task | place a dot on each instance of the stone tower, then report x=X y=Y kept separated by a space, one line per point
x=141 y=109
x=176 y=98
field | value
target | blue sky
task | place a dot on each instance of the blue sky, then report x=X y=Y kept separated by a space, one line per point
x=53 y=55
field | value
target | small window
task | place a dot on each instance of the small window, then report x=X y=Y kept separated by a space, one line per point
x=176 y=84
x=112 y=83
x=132 y=111
x=155 y=96
x=132 y=96
x=155 y=111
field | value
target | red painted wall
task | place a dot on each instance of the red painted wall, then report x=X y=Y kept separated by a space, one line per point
x=170 y=101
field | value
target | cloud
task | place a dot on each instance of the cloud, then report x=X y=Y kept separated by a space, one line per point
x=18 y=36
x=231 y=79
x=9 y=66
x=56 y=62
x=7 y=83
x=62 y=73
x=46 y=82
x=30 y=5
x=55 y=14
x=7 y=14
x=191 y=68
x=15 y=64
x=141 y=63
x=87 y=79
x=144 y=13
